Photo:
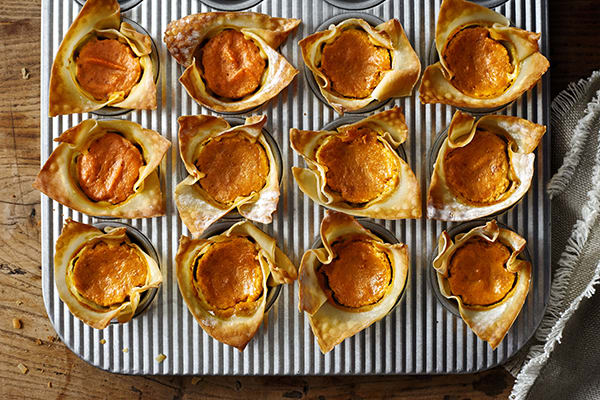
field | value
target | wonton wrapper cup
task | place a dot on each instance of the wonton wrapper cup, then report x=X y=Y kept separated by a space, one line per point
x=235 y=330
x=58 y=178
x=523 y=137
x=99 y=18
x=197 y=209
x=332 y=324
x=233 y=122
x=402 y=202
x=310 y=77
x=396 y=82
x=73 y=237
x=490 y=323
x=125 y=5
x=184 y=36
x=455 y=14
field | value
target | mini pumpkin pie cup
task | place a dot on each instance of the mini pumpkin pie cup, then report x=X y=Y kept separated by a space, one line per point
x=354 y=280
x=229 y=168
x=484 y=166
x=355 y=64
x=357 y=169
x=106 y=168
x=102 y=62
x=230 y=58
x=100 y=275
x=481 y=271
x=484 y=62
x=224 y=280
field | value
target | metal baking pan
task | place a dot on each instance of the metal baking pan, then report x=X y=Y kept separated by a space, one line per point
x=420 y=336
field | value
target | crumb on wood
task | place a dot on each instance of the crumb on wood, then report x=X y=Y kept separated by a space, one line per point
x=39 y=342
x=102 y=341
x=24 y=73
x=19 y=302
x=126 y=350
x=22 y=368
x=49 y=384
x=17 y=324
x=196 y=380
x=52 y=338
x=161 y=357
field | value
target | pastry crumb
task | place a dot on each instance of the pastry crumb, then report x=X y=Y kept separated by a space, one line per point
x=17 y=324
x=22 y=368
x=161 y=357
x=102 y=341
x=24 y=73
x=49 y=384
x=19 y=302
x=39 y=342
x=196 y=379
x=126 y=350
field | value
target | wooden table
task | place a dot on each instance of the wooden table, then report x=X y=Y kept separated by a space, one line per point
x=55 y=372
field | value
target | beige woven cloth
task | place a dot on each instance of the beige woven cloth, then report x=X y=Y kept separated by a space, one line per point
x=564 y=360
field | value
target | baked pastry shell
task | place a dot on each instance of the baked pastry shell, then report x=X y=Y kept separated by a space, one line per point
x=73 y=237
x=523 y=137
x=183 y=37
x=489 y=323
x=99 y=17
x=58 y=181
x=530 y=63
x=397 y=82
x=332 y=324
x=236 y=330
x=402 y=202
x=196 y=208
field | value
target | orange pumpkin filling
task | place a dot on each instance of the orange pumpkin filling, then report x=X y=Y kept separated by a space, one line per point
x=481 y=66
x=353 y=64
x=232 y=64
x=233 y=166
x=105 y=67
x=106 y=272
x=358 y=276
x=479 y=172
x=229 y=274
x=108 y=170
x=359 y=166
x=477 y=272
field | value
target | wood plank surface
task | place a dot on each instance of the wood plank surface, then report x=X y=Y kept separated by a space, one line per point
x=53 y=371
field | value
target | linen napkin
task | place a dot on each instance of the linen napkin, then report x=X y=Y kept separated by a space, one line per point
x=564 y=360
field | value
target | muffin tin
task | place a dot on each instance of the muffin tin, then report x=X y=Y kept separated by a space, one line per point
x=420 y=336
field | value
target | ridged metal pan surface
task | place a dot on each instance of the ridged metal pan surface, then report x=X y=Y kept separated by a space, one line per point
x=420 y=336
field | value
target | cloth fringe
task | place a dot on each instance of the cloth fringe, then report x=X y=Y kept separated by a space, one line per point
x=540 y=353
x=554 y=322
x=561 y=106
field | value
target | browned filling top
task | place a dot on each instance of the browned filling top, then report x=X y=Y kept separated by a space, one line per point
x=353 y=64
x=106 y=272
x=359 y=166
x=358 y=276
x=233 y=166
x=107 y=66
x=481 y=65
x=478 y=272
x=229 y=274
x=232 y=64
x=478 y=172
x=108 y=170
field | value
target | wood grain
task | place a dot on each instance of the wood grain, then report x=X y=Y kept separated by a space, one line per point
x=573 y=55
